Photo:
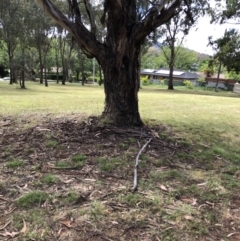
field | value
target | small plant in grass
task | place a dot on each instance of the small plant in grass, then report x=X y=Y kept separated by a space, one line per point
x=230 y=181
x=122 y=145
x=106 y=164
x=83 y=211
x=32 y=198
x=165 y=175
x=182 y=155
x=131 y=140
x=132 y=149
x=15 y=163
x=153 y=202
x=62 y=164
x=50 y=179
x=71 y=197
x=79 y=159
x=30 y=150
x=51 y=143
x=35 y=216
x=97 y=209
x=144 y=157
x=131 y=199
x=179 y=212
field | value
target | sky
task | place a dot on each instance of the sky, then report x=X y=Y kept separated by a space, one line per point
x=197 y=39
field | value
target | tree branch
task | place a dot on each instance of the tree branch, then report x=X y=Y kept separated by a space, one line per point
x=83 y=36
x=91 y=16
x=135 y=182
x=154 y=19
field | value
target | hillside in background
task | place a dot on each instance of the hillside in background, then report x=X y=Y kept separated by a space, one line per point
x=157 y=50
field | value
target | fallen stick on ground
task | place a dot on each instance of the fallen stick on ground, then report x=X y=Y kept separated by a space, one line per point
x=135 y=181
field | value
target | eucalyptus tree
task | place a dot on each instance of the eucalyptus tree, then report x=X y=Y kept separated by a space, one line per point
x=10 y=30
x=226 y=11
x=172 y=29
x=174 y=33
x=227 y=51
x=56 y=50
x=40 y=34
x=127 y=25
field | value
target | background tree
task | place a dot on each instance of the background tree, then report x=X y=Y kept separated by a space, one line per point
x=174 y=33
x=226 y=10
x=10 y=30
x=172 y=28
x=156 y=58
x=40 y=35
x=208 y=67
x=227 y=51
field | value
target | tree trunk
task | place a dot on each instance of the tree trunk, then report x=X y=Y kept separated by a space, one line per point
x=219 y=71
x=121 y=85
x=170 y=82
x=57 y=75
x=171 y=67
x=57 y=65
x=22 y=80
x=45 y=71
x=77 y=74
x=100 y=75
x=83 y=74
x=121 y=68
x=41 y=65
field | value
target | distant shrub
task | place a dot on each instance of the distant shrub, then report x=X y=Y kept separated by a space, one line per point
x=188 y=84
x=144 y=80
x=162 y=81
x=201 y=81
x=53 y=76
x=90 y=78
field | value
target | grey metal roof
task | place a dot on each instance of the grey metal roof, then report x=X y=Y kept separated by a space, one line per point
x=181 y=74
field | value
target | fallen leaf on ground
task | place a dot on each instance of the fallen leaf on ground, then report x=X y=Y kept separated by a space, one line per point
x=163 y=188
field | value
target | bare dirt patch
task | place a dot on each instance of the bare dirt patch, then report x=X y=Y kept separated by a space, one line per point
x=70 y=178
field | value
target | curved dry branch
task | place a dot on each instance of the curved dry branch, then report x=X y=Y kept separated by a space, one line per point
x=135 y=182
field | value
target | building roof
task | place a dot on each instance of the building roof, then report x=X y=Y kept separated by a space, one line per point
x=181 y=74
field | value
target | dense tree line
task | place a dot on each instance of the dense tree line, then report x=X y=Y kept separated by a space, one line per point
x=31 y=44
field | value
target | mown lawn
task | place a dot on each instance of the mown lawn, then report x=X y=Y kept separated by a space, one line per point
x=61 y=182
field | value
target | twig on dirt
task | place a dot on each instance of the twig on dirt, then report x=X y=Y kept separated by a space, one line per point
x=42 y=129
x=3 y=227
x=135 y=182
x=4 y=199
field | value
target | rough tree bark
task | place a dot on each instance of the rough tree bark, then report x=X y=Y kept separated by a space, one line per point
x=119 y=54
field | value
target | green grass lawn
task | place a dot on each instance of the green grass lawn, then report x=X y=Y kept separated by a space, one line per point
x=202 y=180
x=193 y=114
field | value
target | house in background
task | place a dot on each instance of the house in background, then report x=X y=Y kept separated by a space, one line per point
x=224 y=84
x=179 y=76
